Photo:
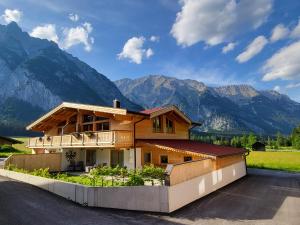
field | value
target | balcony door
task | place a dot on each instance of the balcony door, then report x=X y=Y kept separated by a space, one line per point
x=117 y=158
x=90 y=157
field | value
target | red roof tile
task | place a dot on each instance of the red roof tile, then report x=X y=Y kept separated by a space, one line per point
x=196 y=146
x=149 y=111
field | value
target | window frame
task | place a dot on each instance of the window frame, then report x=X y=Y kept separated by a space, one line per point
x=150 y=158
x=167 y=127
x=155 y=126
x=187 y=156
x=160 y=159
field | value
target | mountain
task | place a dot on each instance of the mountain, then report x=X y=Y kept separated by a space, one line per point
x=232 y=109
x=36 y=75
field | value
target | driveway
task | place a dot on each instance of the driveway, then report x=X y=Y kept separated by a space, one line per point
x=259 y=198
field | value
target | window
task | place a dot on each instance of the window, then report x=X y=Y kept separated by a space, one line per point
x=99 y=118
x=169 y=126
x=164 y=159
x=59 y=131
x=157 y=124
x=87 y=118
x=187 y=158
x=147 y=157
x=102 y=126
x=87 y=127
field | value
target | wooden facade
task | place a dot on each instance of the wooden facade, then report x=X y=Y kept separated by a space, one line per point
x=77 y=126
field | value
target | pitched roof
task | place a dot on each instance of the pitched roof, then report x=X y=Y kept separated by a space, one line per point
x=162 y=110
x=149 y=111
x=194 y=146
x=78 y=106
x=11 y=140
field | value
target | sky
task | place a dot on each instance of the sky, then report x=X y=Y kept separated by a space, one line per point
x=218 y=42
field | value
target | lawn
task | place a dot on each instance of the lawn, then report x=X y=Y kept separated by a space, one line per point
x=286 y=161
x=18 y=148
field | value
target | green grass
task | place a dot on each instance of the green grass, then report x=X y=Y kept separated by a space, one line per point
x=286 y=161
x=18 y=148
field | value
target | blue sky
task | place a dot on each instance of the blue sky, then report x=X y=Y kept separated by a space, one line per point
x=219 y=42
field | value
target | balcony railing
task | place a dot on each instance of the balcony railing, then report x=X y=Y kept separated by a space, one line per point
x=120 y=139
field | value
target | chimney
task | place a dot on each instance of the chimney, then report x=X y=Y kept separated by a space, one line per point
x=116 y=103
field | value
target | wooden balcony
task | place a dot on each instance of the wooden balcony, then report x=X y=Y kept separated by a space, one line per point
x=105 y=139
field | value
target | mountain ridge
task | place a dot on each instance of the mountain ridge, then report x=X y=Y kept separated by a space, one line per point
x=231 y=108
x=39 y=75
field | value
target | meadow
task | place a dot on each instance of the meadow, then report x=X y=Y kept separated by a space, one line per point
x=16 y=148
x=275 y=160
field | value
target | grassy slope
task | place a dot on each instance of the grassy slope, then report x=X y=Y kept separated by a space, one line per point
x=20 y=148
x=287 y=161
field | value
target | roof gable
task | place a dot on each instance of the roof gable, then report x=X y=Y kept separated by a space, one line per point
x=163 y=110
x=76 y=106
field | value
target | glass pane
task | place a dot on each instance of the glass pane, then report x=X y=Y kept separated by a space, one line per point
x=105 y=126
x=163 y=159
x=87 y=118
x=147 y=157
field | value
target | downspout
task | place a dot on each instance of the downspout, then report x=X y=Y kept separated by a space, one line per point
x=134 y=139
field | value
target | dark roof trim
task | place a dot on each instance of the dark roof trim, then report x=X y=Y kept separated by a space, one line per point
x=13 y=141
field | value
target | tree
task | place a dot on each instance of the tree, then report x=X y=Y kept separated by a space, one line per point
x=296 y=138
x=279 y=139
x=244 y=141
x=251 y=140
x=269 y=142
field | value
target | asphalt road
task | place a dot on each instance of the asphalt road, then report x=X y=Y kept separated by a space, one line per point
x=256 y=199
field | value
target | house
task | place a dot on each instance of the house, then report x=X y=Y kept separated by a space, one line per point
x=259 y=146
x=96 y=135
x=8 y=141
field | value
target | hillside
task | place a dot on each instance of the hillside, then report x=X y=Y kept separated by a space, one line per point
x=36 y=75
x=233 y=109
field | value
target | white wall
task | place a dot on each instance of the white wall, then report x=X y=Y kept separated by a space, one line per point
x=146 y=198
x=129 y=158
x=186 y=192
x=103 y=156
x=80 y=156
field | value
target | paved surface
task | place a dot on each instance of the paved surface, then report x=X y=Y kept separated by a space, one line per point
x=255 y=199
x=2 y=162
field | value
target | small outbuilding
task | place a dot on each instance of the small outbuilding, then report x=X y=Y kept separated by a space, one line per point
x=8 y=141
x=259 y=146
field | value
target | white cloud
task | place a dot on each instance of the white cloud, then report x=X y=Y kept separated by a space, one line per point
x=277 y=88
x=296 y=31
x=215 y=22
x=279 y=32
x=48 y=31
x=11 y=15
x=229 y=47
x=134 y=51
x=284 y=64
x=291 y=86
x=78 y=35
x=252 y=49
x=149 y=53
x=74 y=17
x=154 y=38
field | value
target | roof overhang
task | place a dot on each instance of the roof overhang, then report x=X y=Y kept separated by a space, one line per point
x=169 y=109
x=202 y=149
x=76 y=107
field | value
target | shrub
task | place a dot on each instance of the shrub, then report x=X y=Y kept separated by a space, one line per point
x=135 y=180
x=7 y=148
x=152 y=172
x=41 y=172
